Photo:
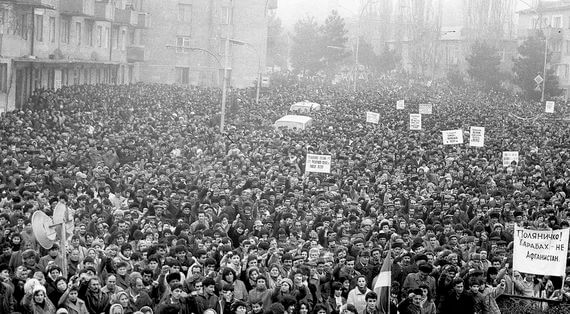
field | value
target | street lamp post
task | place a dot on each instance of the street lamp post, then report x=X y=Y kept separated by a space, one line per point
x=225 y=84
x=358 y=41
x=544 y=65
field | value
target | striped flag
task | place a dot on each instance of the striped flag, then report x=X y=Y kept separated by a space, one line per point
x=382 y=285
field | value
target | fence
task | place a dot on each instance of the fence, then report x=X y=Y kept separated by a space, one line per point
x=528 y=305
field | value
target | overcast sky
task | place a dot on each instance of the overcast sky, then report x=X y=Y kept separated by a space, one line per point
x=290 y=11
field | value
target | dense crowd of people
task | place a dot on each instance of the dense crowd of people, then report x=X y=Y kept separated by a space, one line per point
x=172 y=216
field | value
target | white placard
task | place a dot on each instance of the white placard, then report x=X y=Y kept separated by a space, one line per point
x=540 y=252
x=372 y=117
x=477 y=136
x=318 y=163
x=451 y=137
x=415 y=121
x=509 y=157
x=549 y=107
x=400 y=105
x=425 y=109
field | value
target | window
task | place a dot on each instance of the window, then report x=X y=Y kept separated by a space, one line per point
x=562 y=71
x=76 y=76
x=115 y=35
x=37 y=78
x=182 y=42
x=131 y=37
x=2 y=19
x=227 y=15
x=123 y=39
x=99 y=36
x=64 y=32
x=557 y=22
x=78 y=33
x=39 y=26
x=89 y=35
x=51 y=29
x=106 y=40
x=185 y=13
x=64 y=77
x=22 y=29
x=51 y=78
x=182 y=75
x=3 y=77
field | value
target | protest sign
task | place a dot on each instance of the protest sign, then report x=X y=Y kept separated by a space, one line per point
x=549 y=107
x=372 y=117
x=425 y=108
x=400 y=104
x=451 y=137
x=509 y=157
x=318 y=163
x=477 y=136
x=540 y=252
x=415 y=121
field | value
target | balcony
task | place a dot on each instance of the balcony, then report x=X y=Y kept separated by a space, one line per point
x=551 y=32
x=104 y=11
x=126 y=17
x=41 y=4
x=136 y=53
x=78 y=7
x=143 y=20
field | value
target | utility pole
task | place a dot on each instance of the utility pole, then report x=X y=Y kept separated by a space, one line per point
x=225 y=83
x=544 y=65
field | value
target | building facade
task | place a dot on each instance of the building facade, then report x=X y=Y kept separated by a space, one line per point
x=187 y=41
x=53 y=43
x=551 y=19
x=433 y=37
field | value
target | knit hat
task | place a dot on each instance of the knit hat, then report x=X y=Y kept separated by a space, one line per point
x=288 y=281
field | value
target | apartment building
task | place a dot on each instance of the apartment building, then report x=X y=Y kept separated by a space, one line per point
x=551 y=22
x=53 y=43
x=187 y=41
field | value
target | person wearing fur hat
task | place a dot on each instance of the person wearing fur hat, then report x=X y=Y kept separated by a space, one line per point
x=37 y=301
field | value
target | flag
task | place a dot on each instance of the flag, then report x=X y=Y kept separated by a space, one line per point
x=382 y=285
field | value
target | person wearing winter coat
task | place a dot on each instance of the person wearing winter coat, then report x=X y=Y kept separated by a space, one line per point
x=37 y=302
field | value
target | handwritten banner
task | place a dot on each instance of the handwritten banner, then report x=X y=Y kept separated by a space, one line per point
x=415 y=121
x=372 y=117
x=400 y=105
x=509 y=157
x=540 y=252
x=318 y=163
x=451 y=137
x=425 y=109
x=477 y=136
